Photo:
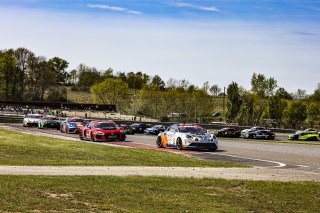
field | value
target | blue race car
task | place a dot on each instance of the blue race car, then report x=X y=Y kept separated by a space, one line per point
x=72 y=125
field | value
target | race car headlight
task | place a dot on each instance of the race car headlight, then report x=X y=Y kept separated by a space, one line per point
x=188 y=136
x=99 y=133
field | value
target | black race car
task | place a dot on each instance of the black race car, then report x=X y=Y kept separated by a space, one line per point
x=127 y=129
x=140 y=127
x=155 y=130
x=228 y=132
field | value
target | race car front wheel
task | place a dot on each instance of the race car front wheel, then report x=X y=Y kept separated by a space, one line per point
x=179 y=144
x=159 y=142
x=80 y=135
x=312 y=139
x=122 y=137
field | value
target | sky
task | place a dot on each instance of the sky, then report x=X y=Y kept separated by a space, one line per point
x=218 y=41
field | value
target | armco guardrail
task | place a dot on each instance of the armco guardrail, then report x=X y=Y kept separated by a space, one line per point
x=11 y=119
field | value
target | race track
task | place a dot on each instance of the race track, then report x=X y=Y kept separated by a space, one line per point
x=305 y=157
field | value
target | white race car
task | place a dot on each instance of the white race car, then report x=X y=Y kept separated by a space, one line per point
x=187 y=136
x=31 y=119
x=245 y=132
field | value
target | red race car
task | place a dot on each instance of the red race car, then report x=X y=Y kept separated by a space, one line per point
x=102 y=131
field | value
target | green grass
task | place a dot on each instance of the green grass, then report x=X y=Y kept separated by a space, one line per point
x=23 y=149
x=154 y=194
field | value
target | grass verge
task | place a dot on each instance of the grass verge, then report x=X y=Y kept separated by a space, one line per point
x=154 y=194
x=23 y=149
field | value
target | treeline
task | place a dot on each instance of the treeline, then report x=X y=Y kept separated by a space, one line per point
x=25 y=76
x=268 y=103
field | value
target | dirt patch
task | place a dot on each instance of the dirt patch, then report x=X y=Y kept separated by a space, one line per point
x=256 y=173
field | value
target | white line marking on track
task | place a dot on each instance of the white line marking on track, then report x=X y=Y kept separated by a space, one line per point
x=255 y=159
x=304 y=166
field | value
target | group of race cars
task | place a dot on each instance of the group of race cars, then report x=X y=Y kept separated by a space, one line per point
x=258 y=132
x=255 y=132
x=181 y=136
x=93 y=130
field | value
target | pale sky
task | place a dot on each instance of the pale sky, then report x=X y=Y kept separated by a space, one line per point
x=206 y=40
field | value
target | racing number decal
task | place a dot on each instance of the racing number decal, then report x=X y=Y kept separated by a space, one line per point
x=170 y=136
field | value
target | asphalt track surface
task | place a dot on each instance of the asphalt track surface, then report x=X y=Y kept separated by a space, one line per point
x=303 y=157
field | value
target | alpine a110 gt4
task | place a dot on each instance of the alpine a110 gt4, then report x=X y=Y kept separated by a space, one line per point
x=187 y=136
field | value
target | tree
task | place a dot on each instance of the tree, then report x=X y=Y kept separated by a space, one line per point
x=283 y=94
x=73 y=77
x=246 y=112
x=183 y=85
x=22 y=56
x=263 y=86
x=271 y=86
x=206 y=87
x=137 y=80
x=122 y=76
x=88 y=76
x=151 y=97
x=58 y=66
x=157 y=81
x=8 y=74
x=40 y=77
x=191 y=88
x=313 y=114
x=111 y=91
x=108 y=73
x=296 y=113
x=316 y=94
x=215 y=90
x=300 y=94
x=276 y=107
x=171 y=83
x=252 y=109
x=202 y=105
x=233 y=101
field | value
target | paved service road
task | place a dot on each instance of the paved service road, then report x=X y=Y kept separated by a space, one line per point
x=266 y=154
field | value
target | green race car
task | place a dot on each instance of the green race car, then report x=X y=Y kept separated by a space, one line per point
x=304 y=136
x=49 y=121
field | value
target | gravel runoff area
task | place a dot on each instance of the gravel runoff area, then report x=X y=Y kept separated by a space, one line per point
x=255 y=173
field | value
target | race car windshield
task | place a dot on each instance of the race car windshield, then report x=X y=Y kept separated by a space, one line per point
x=105 y=126
x=192 y=130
